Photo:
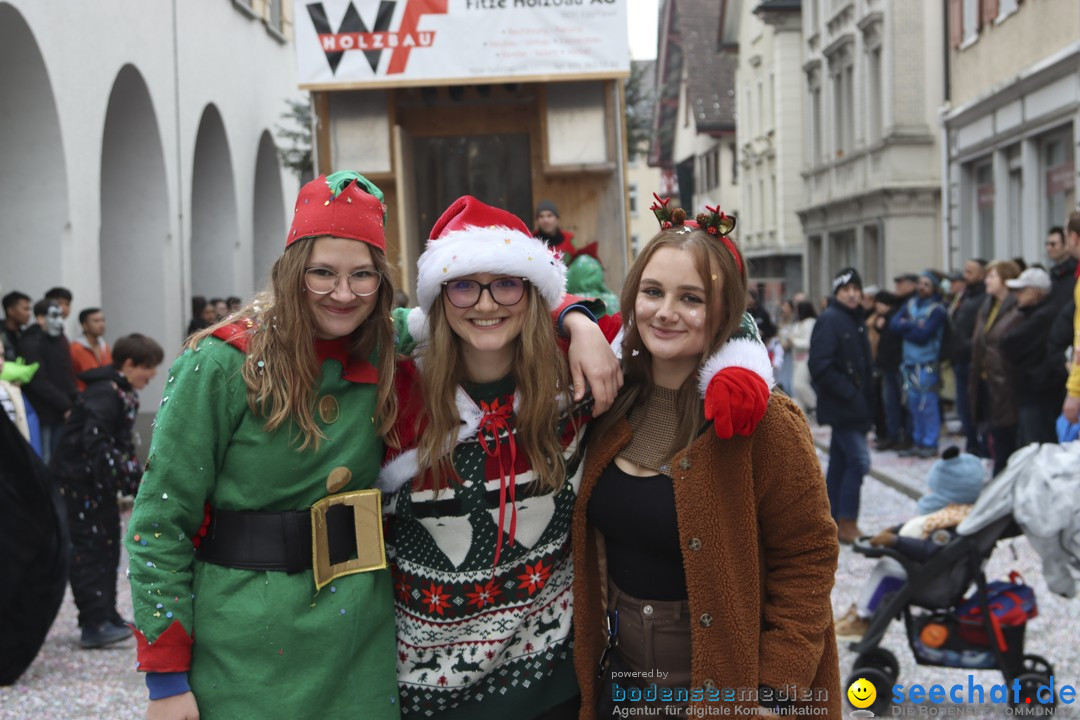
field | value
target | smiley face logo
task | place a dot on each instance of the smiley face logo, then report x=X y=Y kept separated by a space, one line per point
x=862 y=693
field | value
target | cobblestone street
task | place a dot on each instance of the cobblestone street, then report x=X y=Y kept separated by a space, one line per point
x=66 y=683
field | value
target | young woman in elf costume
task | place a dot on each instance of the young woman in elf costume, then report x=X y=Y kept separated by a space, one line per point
x=487 y=476
x=271 y=428
x=702 y=559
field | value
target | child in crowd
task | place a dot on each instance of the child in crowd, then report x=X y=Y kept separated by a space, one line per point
x=94 y=460
x=954 y=484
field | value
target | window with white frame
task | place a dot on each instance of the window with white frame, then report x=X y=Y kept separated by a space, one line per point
x=982 y=207
x=762 y=122
x=632 y=200
x=971 y=19
x=761 y=221
x=815 y=140
x=275 y=19
x=841 y=119
x=1006 y=8
x=771 y=124
x=772 y=202
x=1058 y=172
x=874 y=124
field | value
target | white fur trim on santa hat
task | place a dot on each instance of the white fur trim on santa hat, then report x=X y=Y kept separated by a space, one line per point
x=492 y=250
x=417 y=322
x=744 y=353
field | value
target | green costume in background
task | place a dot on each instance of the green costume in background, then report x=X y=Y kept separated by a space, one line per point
x=585 y=278
x=266 y=644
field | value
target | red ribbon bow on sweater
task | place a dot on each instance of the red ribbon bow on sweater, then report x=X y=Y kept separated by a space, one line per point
x=496 y=419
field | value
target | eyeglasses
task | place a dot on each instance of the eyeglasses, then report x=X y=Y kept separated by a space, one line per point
x=322 y=281
x=466 y=293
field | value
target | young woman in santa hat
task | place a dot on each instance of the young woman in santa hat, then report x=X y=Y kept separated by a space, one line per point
x=703 y=557
x=266 y=447
x=486 y=481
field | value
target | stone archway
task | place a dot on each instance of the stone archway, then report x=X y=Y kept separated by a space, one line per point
x=134 y=213
x=214 y=226
x=34 y=212
x=269 y=211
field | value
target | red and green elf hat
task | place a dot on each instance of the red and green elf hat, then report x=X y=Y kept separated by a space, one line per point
x=343 y=204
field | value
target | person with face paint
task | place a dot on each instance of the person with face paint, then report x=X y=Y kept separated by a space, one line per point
x=267 y=443
x=479 y=527
x=703 y=547
x=52 y=391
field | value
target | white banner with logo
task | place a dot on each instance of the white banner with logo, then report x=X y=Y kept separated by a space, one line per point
x=359 y=43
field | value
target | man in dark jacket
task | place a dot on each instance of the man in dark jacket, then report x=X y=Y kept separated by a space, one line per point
x=1063 y=271
x=93 y=462
x=962 y=324
x=842 y=375
x=887 y=366
x=16 y=317
x=52 y=390
x=1038 y=379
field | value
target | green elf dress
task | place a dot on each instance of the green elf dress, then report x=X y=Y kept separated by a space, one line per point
x=258 y=644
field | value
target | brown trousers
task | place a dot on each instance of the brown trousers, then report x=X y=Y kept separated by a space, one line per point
x=654 y=649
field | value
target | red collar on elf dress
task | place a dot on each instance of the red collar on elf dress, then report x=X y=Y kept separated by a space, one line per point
x=238 y=334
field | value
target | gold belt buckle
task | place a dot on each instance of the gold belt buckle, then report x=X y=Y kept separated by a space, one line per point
x=370 y=549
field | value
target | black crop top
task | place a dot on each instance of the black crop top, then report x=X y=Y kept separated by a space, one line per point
x=641 y=534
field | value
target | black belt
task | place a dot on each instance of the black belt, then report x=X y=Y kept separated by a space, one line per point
x=280 y=541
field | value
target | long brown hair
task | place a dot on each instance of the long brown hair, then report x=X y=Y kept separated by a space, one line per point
x=282 y=370
x=725 y=302
x=540 y=375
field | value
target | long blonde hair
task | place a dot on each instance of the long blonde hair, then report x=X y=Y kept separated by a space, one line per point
x=725 y=302
x=540 y=375
x=281 y=370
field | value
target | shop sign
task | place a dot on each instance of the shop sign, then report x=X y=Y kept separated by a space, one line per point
x=985 y=195
x=363 y=43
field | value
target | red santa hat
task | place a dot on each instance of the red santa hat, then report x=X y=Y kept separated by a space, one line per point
x=343 y=204
x=473 y=237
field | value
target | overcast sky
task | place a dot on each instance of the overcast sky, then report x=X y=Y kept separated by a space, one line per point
x=643 y=16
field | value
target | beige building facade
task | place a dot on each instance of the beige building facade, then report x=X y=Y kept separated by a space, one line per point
x=1011 y=126
x=770 y=139
x=873 y=75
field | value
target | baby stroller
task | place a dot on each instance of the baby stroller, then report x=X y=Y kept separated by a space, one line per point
x=945 y=628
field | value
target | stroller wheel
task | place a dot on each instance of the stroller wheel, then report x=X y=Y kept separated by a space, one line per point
x=1037 y=664
x=882 y=683
x=882 y=659
x=1029 y=695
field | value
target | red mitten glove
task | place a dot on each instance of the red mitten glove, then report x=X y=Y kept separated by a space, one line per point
x=735 y=401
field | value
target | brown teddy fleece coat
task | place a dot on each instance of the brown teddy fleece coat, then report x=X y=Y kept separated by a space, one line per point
x=759 y=550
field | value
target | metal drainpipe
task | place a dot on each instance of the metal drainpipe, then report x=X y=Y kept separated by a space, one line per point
x=946 y=198
x=184 y=301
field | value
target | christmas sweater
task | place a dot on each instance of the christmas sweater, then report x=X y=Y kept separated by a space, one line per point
x=483 y=613
x=258 y=644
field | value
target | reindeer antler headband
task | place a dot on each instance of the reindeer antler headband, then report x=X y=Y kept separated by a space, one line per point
x=713 y=221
